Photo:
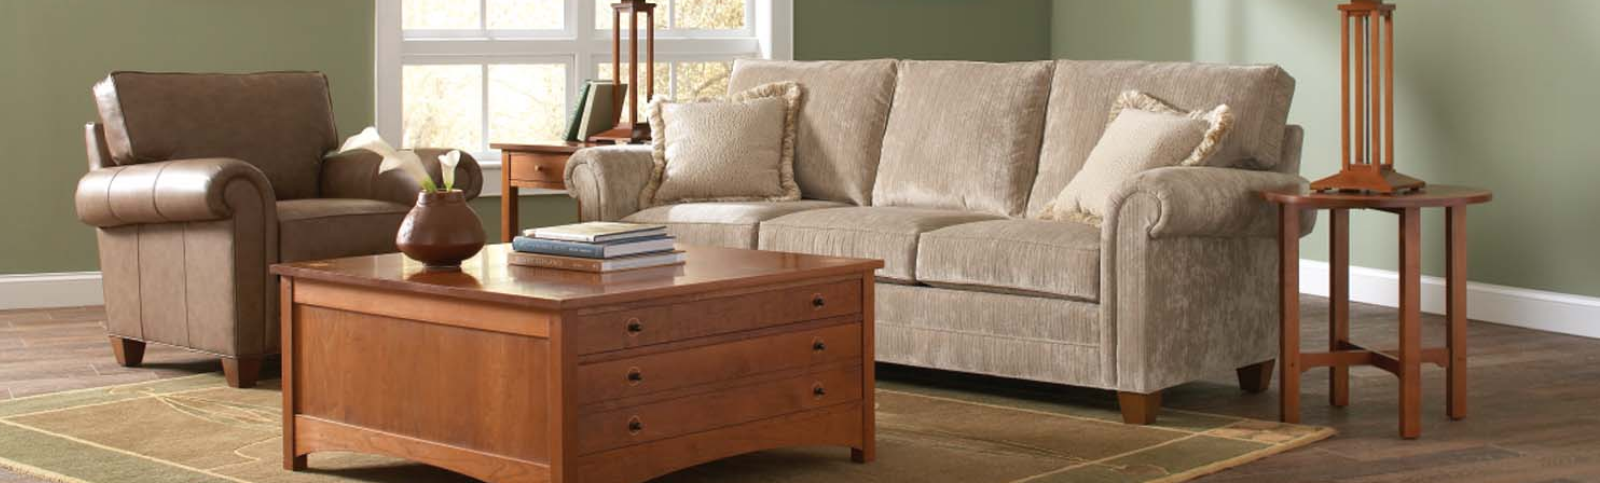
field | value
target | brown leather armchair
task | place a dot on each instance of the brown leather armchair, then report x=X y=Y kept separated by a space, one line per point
x=198 y=182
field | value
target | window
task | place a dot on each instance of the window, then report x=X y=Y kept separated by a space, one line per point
x=469 y=73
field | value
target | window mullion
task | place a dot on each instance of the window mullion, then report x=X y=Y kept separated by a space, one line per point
x=484 y=111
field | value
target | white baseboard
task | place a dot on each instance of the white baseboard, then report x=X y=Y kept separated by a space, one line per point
x=1520 y=307
x=1533 y=309
x=45 y=290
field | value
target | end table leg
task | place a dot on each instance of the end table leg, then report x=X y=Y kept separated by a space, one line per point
x=1289 y=313
x=1456 y=309
x=508 y=201
x=1339 y=304
x=1410 y=323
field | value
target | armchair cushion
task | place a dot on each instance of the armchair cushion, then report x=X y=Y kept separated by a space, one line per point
x=355 y=175
x=318 y=229
x=281 y=122
x=1210 y=202
x=1028 y=257
x=165 y=192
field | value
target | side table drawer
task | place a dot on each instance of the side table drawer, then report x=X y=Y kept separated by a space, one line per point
x=634 y=376
x=628 y=426
x=545 y=167
x=699 y=318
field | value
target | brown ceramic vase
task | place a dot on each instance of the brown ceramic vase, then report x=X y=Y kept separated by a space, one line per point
x=441 y=231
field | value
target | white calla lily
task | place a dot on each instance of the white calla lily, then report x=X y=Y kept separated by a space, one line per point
x=405 y=160
x=447 y=166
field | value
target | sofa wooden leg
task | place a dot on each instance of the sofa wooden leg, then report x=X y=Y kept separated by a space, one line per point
x=242 y=372
x=1256 y=377
x=1139 y=408
x=129 y=352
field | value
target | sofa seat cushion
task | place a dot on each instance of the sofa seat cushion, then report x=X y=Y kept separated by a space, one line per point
x=1031 y=257
x=884 y=233
x=318 y=229
x=725 y=224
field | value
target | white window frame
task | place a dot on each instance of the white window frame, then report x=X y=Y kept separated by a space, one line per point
x=579 y=46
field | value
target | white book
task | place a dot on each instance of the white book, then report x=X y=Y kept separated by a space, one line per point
x=598 y=231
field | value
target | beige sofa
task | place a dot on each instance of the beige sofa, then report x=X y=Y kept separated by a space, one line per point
x=937 y=168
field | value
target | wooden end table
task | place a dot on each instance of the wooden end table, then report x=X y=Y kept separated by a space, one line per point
x=1406 y=362
x=538 y=165
x=519 y=374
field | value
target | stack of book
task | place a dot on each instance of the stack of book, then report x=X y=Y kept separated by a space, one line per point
x=595 y=247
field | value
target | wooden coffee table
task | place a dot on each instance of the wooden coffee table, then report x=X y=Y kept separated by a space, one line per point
x=508 y=373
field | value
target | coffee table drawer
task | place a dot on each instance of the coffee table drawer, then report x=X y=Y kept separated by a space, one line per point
x=667 y=323
x=628 y=426
x=634 y=376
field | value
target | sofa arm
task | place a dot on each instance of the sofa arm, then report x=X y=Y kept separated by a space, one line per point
x=167 y=191
x=607 y=180
x=355 y=174
x=1217 y=202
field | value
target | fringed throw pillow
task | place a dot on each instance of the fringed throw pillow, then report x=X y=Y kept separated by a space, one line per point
x=738 y=149
x=1144 y=134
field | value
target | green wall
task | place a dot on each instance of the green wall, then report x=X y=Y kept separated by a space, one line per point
x=1488 y=94
x=53 y=51
x=922 y=29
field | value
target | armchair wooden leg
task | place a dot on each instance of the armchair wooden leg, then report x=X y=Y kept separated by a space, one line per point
x=242 y=372
x=1256 y=378
x=129 y=352
x=1139 y=408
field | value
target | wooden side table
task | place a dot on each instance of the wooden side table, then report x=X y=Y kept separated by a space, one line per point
x=530 y=166
x=1406 y=362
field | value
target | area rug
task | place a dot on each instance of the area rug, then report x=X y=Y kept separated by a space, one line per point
x=196 y=429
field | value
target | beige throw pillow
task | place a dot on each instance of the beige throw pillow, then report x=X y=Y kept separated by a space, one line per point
x=739 y=149
x=1143 y=134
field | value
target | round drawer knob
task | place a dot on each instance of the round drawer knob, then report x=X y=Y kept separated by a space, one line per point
x=817 y=301
x=818 y=345
x=818 y=391
x=634 y=326
x=635 y=376
x=635 y=425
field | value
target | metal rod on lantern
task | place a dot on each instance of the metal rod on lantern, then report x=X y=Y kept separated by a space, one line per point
x=1344 y=86
x=650 y=55
x=633 y=69
x=1361 y=92
x=1378 y=93
x=1388 y=87
x=616 y=58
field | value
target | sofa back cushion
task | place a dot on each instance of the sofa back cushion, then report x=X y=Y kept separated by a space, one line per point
x=964 y=136
x=843 y=110
x=1083 y=91
x=280 y=122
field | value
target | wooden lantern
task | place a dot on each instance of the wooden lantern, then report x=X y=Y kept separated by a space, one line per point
x=630 y=127
x=1367 y=104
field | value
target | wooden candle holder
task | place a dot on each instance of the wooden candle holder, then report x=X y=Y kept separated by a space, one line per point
x=629 y=128
x=1367 y=40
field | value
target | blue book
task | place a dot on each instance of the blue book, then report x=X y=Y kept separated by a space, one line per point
x=612 y=249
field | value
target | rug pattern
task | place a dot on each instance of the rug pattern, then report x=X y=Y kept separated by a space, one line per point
x=196 y=429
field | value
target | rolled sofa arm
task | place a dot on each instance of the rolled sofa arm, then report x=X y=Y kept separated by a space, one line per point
x=166 y=192
x=607 y=180
x=1216 y=202
x=355 y=175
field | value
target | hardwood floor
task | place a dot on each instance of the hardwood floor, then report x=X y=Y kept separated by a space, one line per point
x=1533 y=414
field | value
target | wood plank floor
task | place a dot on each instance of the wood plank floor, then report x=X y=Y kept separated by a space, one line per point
x=1534 y=407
